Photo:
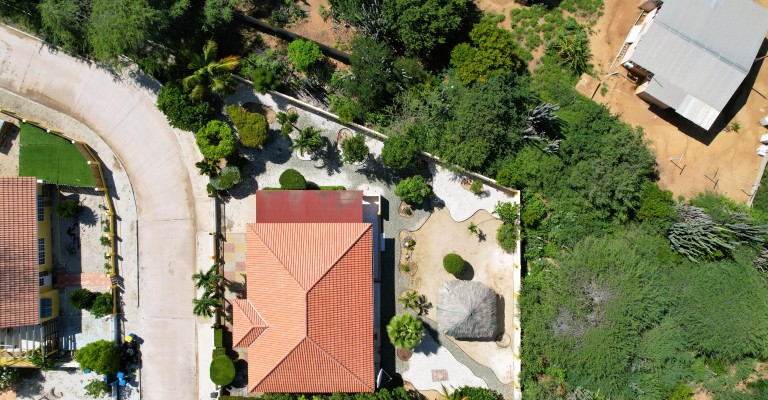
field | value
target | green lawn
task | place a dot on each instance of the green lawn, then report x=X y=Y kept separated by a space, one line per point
x=49 y=157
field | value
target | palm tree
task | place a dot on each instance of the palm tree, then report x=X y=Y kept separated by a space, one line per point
x=309 y=141
x=210 y=280
x=206 y=305
x=210 y=74
x=453 y=395
x=405 y=331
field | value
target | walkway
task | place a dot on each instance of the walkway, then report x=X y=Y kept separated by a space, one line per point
x=84 y=280
x=123 y=113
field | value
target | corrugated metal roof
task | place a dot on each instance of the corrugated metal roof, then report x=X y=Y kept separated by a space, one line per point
x=279 y=206
x=19 y=293
x=311 y=286
x=700 y=50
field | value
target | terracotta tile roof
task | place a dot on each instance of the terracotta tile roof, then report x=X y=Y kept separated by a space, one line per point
x=312 y=286
x=19 y=295
x=275 y=206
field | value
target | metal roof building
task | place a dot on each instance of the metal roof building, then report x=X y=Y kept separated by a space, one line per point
x=696 y=53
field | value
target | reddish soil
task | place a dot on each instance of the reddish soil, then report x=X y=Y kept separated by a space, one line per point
x=498 y=7
x=726 y=163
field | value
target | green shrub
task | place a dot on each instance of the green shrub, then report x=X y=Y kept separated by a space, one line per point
x=681 y=392
x=97 y=389
x=102 y=305
x=355 y=150
x=291 y=179
x=507 y=212
x=222 y=370
x=218 y=337
x=82 y=299
x=332 y=188
x=228 y=178
x=182 y=112
x=219 y=351
x=216 y=140
x=67 y=208
x=453 y=264
x=251 y=127
x=347 y=110
x=105 y=241
x=476 y=393
x=507 y=236
x=413 y=190
x=8 y=377
x=476 y=187
x=101 y=356
x=265 y=80
x=37 y=359
x=303 y=54
x=400 y=152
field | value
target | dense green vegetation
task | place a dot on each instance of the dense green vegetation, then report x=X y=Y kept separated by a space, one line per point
x=101 y=356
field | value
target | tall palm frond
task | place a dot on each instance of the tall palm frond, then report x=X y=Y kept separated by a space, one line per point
x=206 y=305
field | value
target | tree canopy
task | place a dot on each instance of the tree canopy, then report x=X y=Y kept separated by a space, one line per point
x=101 y=356
x=491 y=50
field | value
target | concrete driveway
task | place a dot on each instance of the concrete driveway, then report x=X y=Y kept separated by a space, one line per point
x=157 y=159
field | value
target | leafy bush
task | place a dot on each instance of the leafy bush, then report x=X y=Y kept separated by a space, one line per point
x=533 y=210
x=303 y=54
x=453 y=264
x=216 y=140
x=476 y=393
x=222 y=370
x=405 y=331
x=347 y=110
x=102 y=305
x=309 y=141
x=105 y=241
x=8 y=377
x=375 y=81
x=656 y=205
x=425 y=26
x=507 y=212
x=101 y=356
x=507 y=236
x=492 y=50
x=228 y=178
x=400 y=152
x=44 y=363
x=265 y=80
x=476 y=187
x=218 y=337
x=355 y=150
x=291 y=179
x=572 y=47
x=97 y=389
x=82 y=299
x=251 y=127
x=181 y=111
x=682 y=392
x=67 y=208
x=219 y=351
x=413 y=190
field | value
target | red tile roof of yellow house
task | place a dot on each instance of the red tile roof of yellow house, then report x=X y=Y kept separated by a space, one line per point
x=18 y=252
x=308 y=318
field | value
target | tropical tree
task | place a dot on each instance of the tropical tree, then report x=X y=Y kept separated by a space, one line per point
x=400 y=151
x=210 y=280
x=572 y=46
x=82 y=298
x=309 y=141
x=492 y=50
x=206 y=305
x=181 y=111
x=405 y=331
x=67 y=208
x=210 y=75
x=542 y=125
x=120 y=27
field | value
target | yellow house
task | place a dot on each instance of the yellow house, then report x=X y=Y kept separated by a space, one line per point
x=29 y=304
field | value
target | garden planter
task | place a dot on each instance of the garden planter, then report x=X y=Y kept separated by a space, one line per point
x=404 y=354
x=412 y=268
x=405 y=210
x=503 y=340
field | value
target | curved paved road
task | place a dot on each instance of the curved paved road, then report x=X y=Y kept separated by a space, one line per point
x=124 y=115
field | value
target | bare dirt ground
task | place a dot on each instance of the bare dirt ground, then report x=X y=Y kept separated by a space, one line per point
x=487 y=264
x=498 y=7
x=726 y=163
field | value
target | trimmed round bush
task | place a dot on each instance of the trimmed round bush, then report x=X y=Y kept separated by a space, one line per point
x=82 y=299
x=303 y=54
x=453 y=264
x=291 y=179
x=222 y=370
x=355 y=149
x=216 y=140
x=102 y=305
x=251 y=127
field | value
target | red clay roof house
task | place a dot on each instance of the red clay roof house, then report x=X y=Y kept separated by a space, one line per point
x=308 y=319
x=18 y=252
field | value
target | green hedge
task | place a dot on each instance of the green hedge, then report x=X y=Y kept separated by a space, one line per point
x=222 y=370
x=319 y=188
x=453 y=264
x=251 y=127
x=219 y=351
x=291 y=179
x=218 y=337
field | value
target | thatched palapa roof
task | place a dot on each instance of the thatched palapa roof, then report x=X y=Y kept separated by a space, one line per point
x=467 y=310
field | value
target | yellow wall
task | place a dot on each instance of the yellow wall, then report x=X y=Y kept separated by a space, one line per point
x=52 y=294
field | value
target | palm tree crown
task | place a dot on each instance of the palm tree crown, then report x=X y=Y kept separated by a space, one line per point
x=405 y=331
x=210 y=74
x=209 y=280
